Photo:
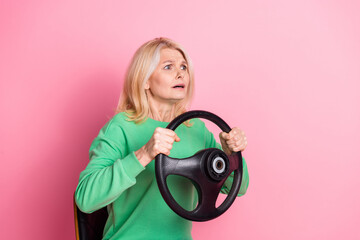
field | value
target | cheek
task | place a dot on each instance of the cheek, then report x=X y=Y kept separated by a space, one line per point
x=162 y=79
x=159 y=85
x=155 y=81
x=187 y=79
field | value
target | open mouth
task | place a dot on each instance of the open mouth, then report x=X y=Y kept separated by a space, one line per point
x=179 y=86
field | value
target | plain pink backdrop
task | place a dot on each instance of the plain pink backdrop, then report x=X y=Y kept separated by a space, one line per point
x=286 y=72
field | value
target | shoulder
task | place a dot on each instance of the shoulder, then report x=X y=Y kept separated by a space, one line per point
x=120 y=117
x=115 y=126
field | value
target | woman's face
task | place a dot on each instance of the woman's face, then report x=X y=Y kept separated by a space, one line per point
x=170 y=81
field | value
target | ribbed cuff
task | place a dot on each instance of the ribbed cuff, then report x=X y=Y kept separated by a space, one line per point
x=132 y=165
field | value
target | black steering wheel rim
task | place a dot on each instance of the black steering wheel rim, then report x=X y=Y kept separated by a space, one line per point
x=190 y=168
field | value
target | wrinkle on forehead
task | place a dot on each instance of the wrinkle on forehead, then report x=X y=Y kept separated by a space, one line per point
x=170 y=55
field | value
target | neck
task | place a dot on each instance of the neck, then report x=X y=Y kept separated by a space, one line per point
x=161 y=111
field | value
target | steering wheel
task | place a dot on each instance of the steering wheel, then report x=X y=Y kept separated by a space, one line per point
x=207 y=169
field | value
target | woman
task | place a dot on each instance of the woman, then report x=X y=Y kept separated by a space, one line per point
x=120 y=174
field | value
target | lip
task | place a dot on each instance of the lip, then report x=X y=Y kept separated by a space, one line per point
x=179 y=86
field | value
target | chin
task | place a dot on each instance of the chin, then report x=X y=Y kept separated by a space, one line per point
x=176 y=99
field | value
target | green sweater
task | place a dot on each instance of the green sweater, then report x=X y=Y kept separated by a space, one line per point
x=115 y=178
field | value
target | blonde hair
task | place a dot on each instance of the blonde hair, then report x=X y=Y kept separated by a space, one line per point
x=133 y=100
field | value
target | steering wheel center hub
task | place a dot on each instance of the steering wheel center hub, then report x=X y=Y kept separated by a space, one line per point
x=217 y=165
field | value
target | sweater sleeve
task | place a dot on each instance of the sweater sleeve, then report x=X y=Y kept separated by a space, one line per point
x=210 y=142
x=110 y=172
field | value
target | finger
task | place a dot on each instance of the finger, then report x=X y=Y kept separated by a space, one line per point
x=160 y=133
x=165 y=151
x=231 y=133
x=156 y=146
x=177 y=139
x=237 y=139
x=161 y=147
x=164 y=131
x=234 y=136
x=232 y=146
x=167 y=139
x=233 y=141
x=237 y=146
x=172 y=134
x=242 y=147
x=167 y=146
x=237 y=132
x=241 y=144
x=224 y=136
x=234 y=131
x=237 y=149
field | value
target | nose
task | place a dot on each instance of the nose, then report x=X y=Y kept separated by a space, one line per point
x=180 y=74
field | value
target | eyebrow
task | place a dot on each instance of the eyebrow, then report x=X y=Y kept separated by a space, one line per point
x=172 y=61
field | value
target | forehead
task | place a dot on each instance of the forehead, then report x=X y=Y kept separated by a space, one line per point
x=171 y=54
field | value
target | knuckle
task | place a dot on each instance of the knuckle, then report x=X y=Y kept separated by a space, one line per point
x=158 y=130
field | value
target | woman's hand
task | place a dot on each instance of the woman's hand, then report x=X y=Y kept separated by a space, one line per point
x=234 y=141
x=161 y=142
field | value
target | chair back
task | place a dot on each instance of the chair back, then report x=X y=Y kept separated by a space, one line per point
x=89 y=226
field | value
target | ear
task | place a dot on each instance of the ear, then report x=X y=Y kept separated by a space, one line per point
x=147 y=86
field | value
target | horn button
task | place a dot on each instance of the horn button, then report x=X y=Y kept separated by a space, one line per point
x=217 y=165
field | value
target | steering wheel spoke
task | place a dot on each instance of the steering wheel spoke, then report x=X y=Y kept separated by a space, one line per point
x=234 y=161
x=186 y=167
x=207 y=199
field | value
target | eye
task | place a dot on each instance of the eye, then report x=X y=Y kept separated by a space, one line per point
x=167 y=67
x=183 y=67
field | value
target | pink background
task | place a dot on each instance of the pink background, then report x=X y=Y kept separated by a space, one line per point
x=286 y=72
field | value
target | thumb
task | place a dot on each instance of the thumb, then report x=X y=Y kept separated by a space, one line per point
x=224 y=135
x=177 y=139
